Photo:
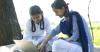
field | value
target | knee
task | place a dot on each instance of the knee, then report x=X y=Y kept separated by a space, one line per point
x=57 y=43
x=61 y=43
x=76 y=48
x=60 y=46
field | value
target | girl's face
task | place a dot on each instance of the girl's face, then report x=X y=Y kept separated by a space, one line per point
x=59 y=12
x=37 y=18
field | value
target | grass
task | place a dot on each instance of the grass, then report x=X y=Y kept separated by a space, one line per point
x=96 y=33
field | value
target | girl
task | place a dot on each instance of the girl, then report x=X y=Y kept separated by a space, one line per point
x=37 y=26
x=72 y=25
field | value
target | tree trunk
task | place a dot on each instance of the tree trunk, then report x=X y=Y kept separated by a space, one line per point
x=9 y=27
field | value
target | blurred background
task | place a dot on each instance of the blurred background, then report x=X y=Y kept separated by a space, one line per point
x=22 y=10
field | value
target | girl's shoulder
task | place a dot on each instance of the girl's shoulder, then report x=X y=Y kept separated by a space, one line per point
x=28 y=22
x=46 y=20
x=74 y=13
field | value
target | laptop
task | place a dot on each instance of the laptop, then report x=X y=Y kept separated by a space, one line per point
x=26 y=46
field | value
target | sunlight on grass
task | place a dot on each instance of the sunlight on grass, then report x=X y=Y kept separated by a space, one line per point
x=96 y=33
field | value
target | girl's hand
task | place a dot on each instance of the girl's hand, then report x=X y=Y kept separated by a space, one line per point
x=38 y=44
x=42 y=47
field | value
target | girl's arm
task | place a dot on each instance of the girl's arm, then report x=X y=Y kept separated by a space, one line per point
x=53 y=33
x=75 y=31
x=27 y=30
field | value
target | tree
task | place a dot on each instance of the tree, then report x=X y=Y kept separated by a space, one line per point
x=9 y=26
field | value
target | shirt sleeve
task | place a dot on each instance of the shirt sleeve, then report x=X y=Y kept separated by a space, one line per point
x=75 y=32
x=27 y=30
x=55 y=31
x=47 y=26
x=28 y=26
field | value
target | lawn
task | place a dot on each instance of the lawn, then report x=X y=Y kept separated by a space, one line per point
x=96 y=33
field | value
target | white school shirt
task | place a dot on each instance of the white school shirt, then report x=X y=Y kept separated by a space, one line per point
x=28 y=34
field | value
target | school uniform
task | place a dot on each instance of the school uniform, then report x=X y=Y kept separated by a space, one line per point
x=77 y=30
x=36 y=36
x=39 y=34
x=29 y=35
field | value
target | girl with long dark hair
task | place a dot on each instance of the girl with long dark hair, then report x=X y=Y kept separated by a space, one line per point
x=72 y=25
x=37 y=26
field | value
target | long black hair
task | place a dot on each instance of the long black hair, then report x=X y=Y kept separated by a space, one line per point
x=35 y=10
x=58 y=4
